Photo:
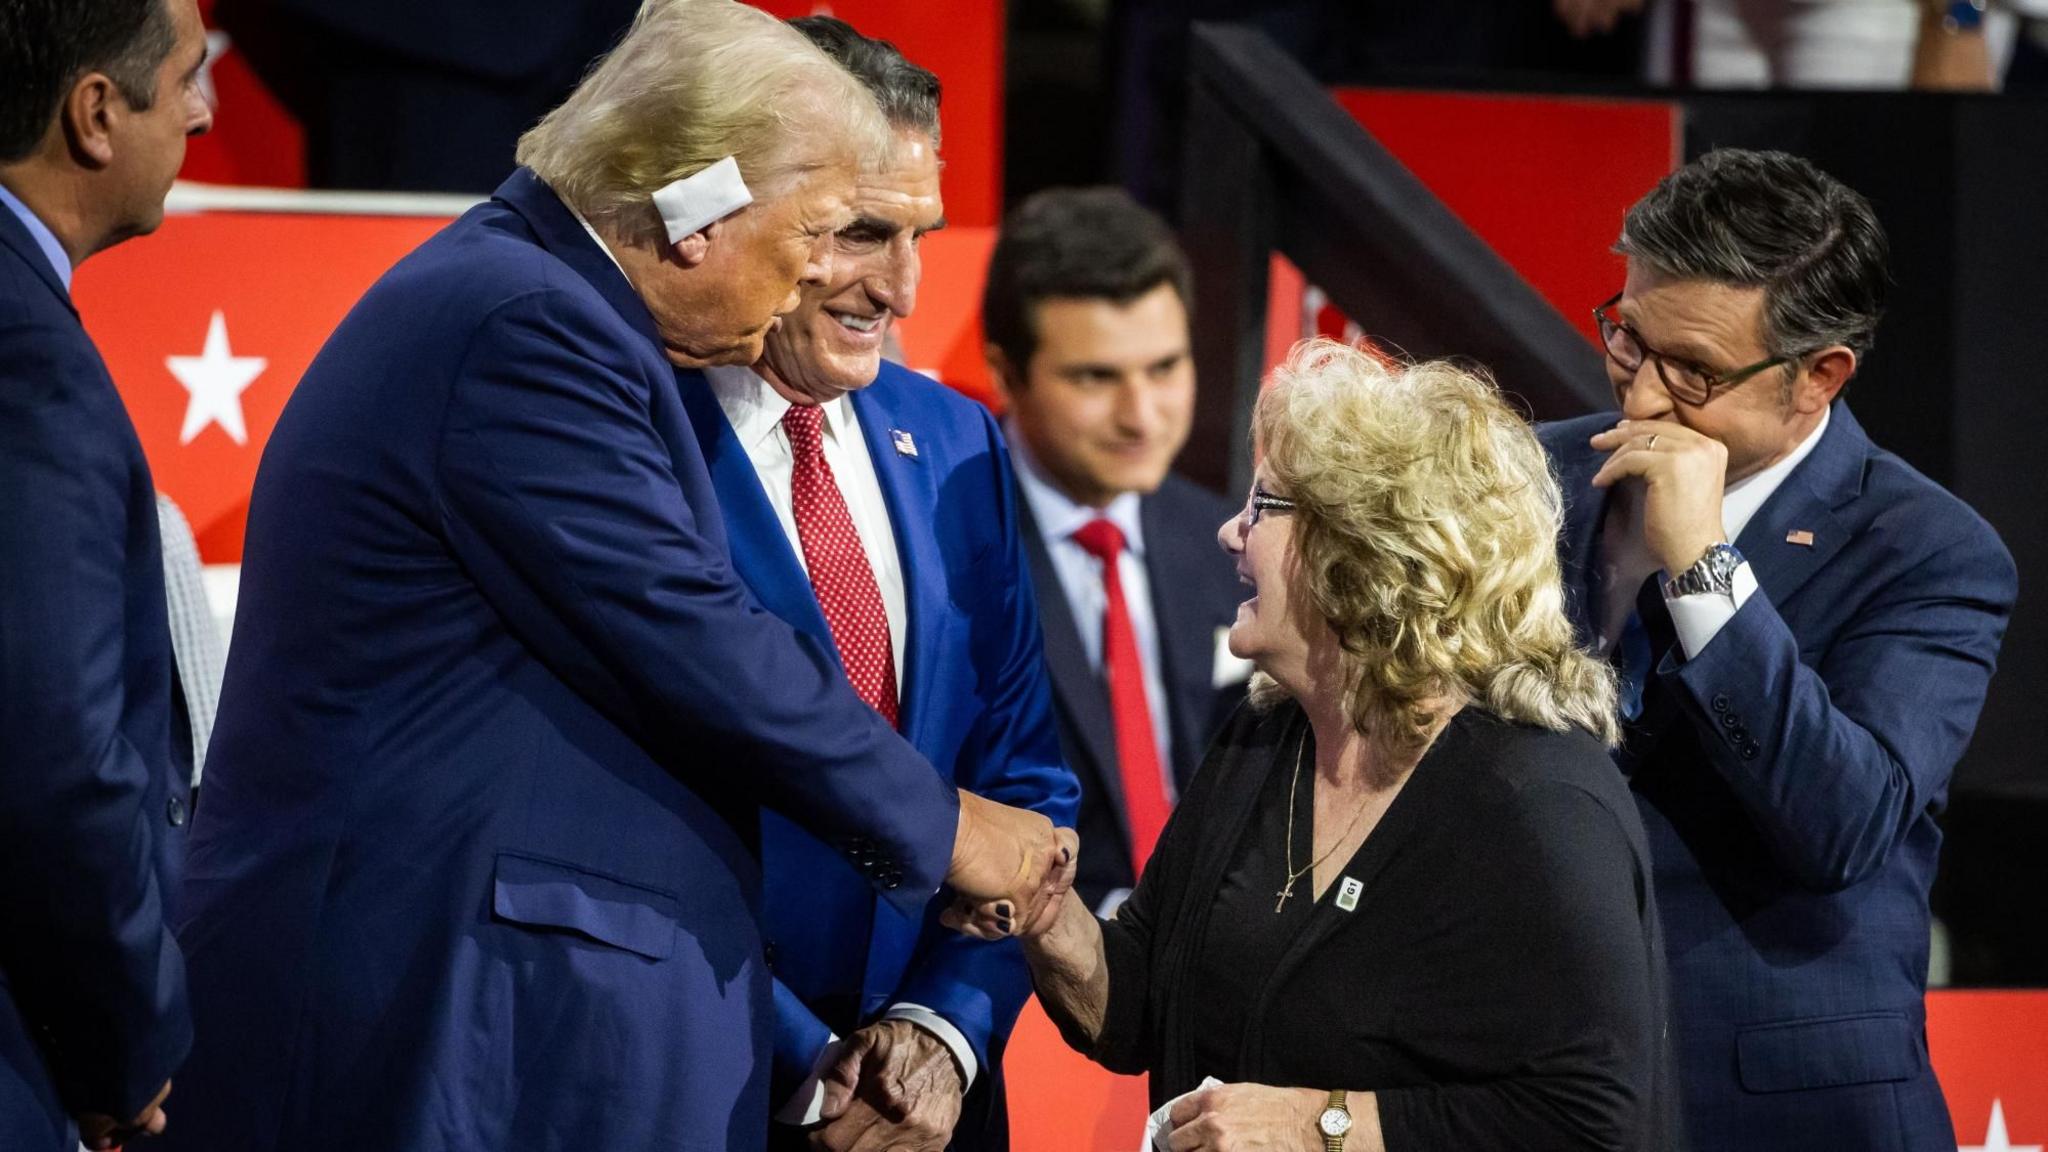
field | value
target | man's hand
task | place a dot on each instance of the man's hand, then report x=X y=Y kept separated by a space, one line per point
x=1682 y=474
x=1010 y=856
x=1583 y=18
x=1248 y=1118
x=100 y=1132
x=894 y=1086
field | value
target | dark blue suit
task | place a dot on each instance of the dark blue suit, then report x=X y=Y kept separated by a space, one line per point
x=976 y=702
x=92 y=786
x=1789 y=776
x=475 y=867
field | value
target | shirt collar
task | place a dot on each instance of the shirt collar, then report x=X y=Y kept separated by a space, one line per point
x=755 y=409
x=44 y=238
x=596 y=239
x=1742 y=499
x=1058 y=515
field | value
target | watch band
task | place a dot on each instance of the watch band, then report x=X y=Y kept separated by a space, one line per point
x=1714 y=571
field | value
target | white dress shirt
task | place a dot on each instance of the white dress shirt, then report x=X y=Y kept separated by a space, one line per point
x=1626 y=560
x=755 y=411
x=1080 y=576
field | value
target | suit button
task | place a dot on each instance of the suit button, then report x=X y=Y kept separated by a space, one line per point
x=175 y=811
x=1730 y=722
x=1749 y=751
x=1720 y=702
x=891 y=879
x=768 y=954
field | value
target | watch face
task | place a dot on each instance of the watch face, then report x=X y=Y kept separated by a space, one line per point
x=1334 y=1122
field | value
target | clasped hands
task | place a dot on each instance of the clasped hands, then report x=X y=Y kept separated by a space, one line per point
x=1009 y=861
x=97 y=1131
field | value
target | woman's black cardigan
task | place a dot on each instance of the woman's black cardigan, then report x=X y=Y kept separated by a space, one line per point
x=1499 y=984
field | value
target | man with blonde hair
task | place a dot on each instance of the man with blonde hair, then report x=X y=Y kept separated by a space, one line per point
x=475 y=869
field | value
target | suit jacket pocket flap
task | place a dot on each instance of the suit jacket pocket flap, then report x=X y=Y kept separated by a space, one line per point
x=544 y=894
x=1827 y=1052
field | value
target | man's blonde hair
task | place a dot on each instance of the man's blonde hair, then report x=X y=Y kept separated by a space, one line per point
x=1426 y=530
x=692 y=82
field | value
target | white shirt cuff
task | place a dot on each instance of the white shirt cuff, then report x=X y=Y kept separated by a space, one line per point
x=1110 y=903
x=1698 y=618
x=807 y=1103
x=954 y=1040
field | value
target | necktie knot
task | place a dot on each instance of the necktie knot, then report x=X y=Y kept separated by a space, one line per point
x=805 y=426
x=1101 y=538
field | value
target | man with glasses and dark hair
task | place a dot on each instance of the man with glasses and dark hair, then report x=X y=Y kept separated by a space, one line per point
x=1804 y=628
x=97 y=98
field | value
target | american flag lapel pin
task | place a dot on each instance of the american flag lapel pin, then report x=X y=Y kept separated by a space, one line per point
x=905 y=446
x=1799 y=536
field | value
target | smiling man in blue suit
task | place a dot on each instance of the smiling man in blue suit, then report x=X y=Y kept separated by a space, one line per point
x=1805 y=627
x=475 y=868
x=937 y=626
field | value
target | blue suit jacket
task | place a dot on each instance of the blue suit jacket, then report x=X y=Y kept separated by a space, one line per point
x=976 y=702
x=1789 y=776
x=92 y=788
x=475 y=868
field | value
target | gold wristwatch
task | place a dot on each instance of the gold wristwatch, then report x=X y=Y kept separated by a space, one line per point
x=1334 y=1122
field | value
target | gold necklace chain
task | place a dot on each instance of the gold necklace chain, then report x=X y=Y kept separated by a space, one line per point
x=1292 y=789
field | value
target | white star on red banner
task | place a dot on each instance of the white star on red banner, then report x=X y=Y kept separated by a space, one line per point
x=215 y=379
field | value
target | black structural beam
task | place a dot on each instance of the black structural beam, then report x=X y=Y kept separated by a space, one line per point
x=1274 y=164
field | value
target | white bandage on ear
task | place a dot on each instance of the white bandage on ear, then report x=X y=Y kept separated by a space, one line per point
x=702 y=199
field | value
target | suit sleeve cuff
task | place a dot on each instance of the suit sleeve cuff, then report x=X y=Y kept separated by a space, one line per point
x=806 y=1105
x=954 y=1040
x=1698 y=618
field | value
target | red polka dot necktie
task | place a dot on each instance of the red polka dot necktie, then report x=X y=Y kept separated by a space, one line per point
x=1137 y=750
x=840 y=574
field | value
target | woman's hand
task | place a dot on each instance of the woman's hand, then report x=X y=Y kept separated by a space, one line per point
x=1248 y=1118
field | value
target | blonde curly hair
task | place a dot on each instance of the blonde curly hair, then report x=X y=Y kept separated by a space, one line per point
x=1426 y=531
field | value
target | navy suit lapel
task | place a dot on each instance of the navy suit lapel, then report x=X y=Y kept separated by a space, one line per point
x=15 y=235
x=910 y=493
x=1578 y=551
x=1806 y=503
x=1080 y=690
x=1187 y=649
x=760 y=549
x=558 y=231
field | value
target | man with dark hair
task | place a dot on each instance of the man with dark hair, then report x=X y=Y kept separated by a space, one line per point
x=889 y=1027
x=1086 y=318
x=98 y=100
x=1804 y=628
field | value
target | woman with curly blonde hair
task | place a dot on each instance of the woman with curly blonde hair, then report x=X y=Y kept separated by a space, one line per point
x=1406 y=903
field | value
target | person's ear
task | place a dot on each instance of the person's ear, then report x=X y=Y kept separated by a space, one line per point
x=89 y=114
x=1008 y=382
x=1827 y=371
x=695 y=248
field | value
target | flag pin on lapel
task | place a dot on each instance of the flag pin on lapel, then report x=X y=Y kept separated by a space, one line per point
x=1799 y=536
x=905 y=446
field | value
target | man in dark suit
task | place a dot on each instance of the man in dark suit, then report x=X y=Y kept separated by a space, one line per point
x=1805 y=627
x=1086 y=316
x=908 y=1008
x=419 y=95
x=99 y=98
x=476 y=863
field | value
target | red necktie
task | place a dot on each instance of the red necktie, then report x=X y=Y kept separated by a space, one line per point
x=1137 y=750
x=838 y=565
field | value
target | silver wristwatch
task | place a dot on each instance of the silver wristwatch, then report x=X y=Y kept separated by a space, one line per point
x=1712 y=572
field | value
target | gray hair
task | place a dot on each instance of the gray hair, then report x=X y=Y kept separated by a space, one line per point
x=692 y=82
x=908 y=94
x=1773 y=221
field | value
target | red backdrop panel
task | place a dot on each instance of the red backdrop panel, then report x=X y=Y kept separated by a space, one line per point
x=1544 y=181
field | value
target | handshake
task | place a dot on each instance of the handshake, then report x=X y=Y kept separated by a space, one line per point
x=1010 y=867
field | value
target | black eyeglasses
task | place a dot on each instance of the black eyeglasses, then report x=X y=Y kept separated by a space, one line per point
x=1687 y=381
x=1262 y=502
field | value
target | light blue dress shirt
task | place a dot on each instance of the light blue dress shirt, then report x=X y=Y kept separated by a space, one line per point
x=45 y=239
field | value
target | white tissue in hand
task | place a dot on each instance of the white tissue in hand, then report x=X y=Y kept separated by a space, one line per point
x=1158 y=1127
